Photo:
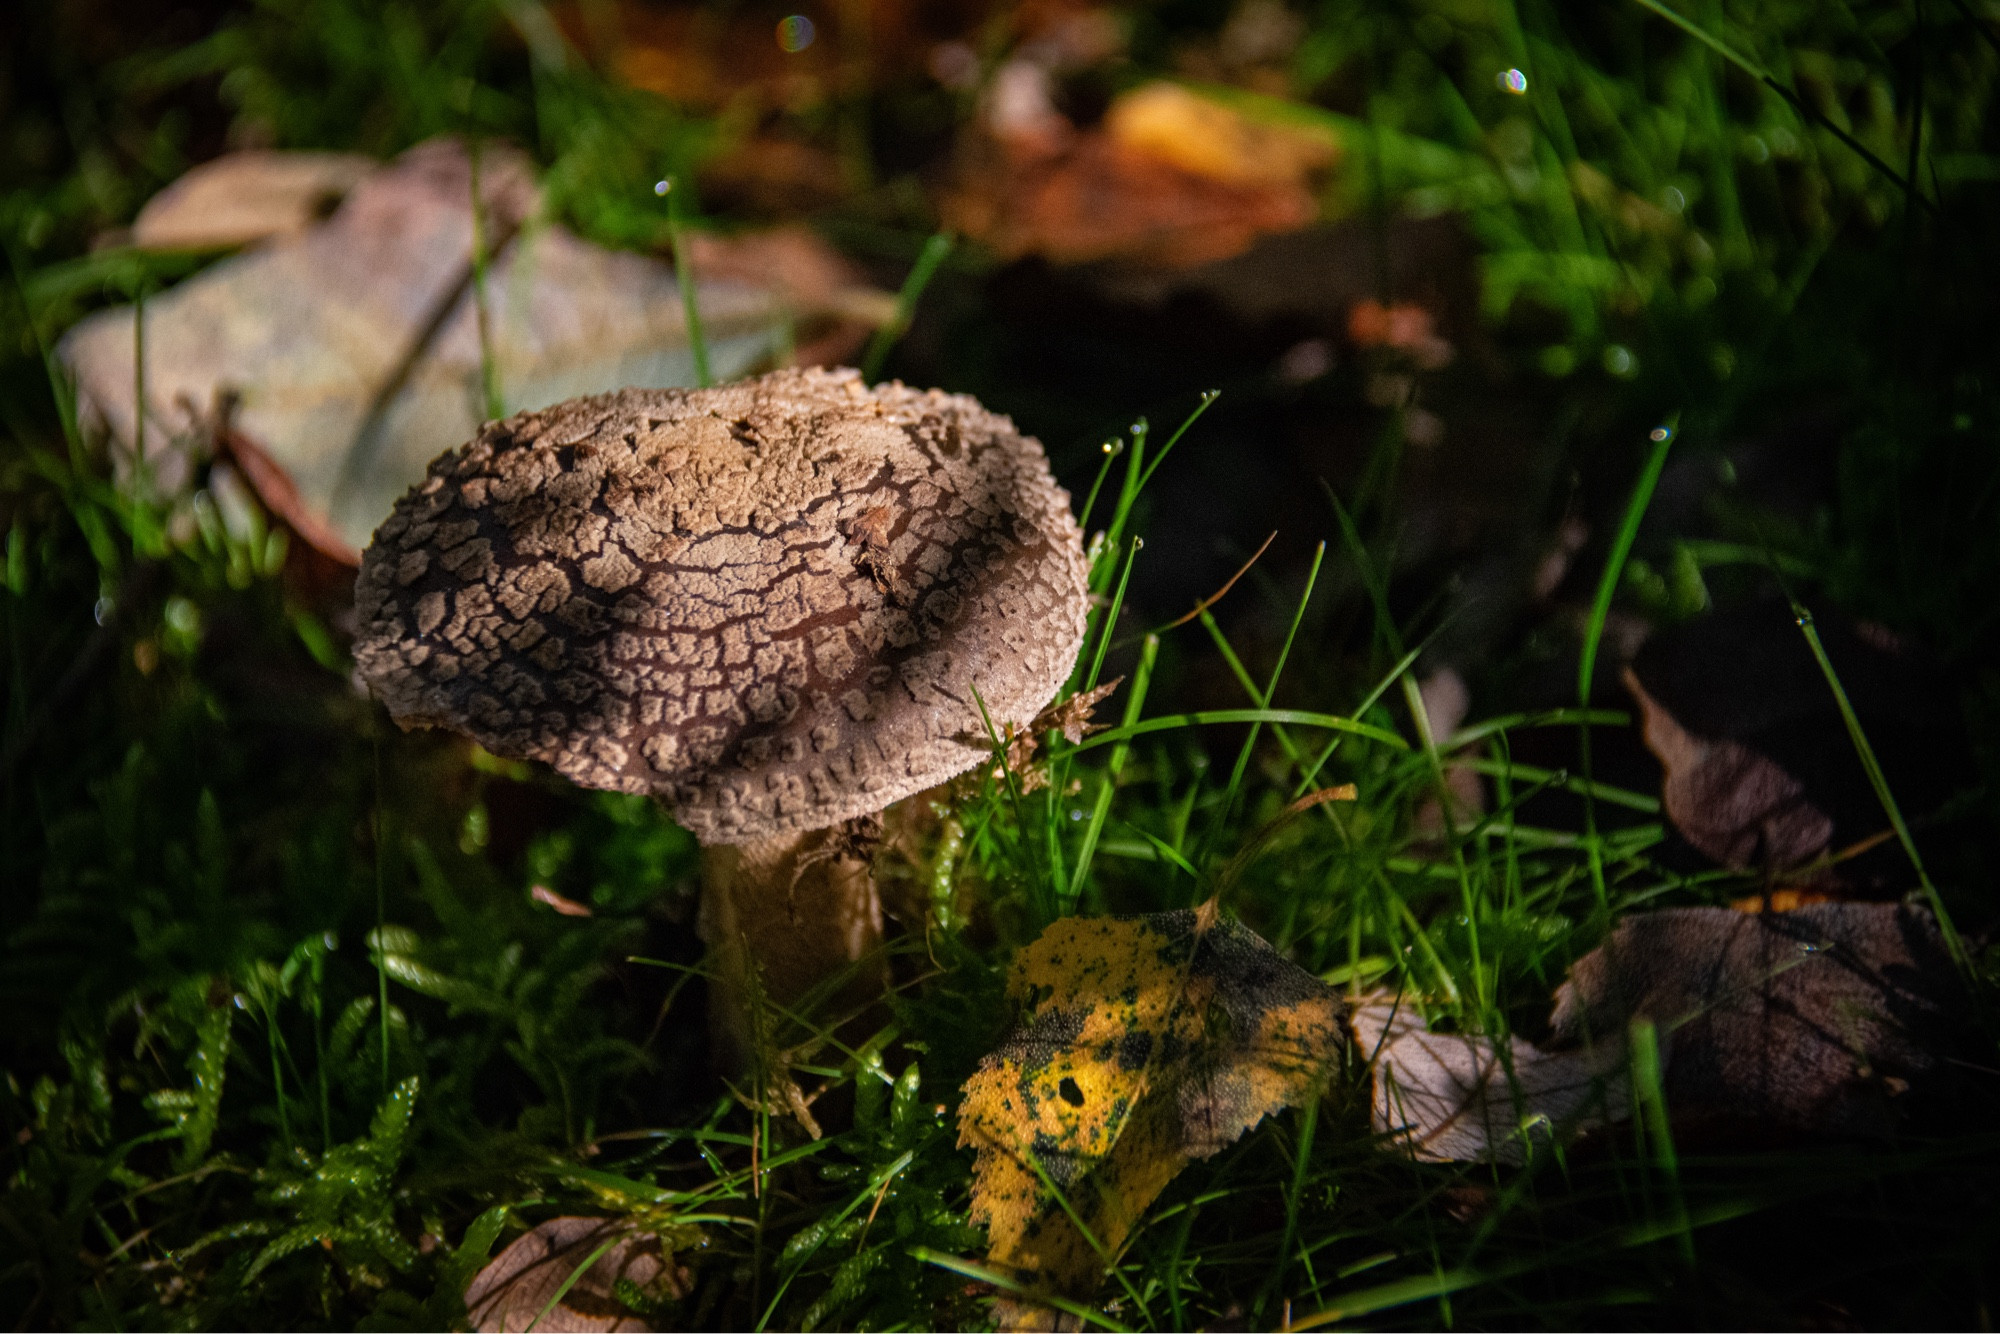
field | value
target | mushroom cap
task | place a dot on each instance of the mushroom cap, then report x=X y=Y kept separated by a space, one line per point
x=767 y=604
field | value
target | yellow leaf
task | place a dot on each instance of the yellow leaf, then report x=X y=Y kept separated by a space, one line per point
x=1153 y=1040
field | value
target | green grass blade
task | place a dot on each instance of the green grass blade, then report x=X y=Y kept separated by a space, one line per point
x=1007 y=1283
x=1135 y=699
x=1649 y=1091
x=933 y=254
x=1208 y=398
x=684 y=277
x=1880 y=783
x=1214 y=717
x=570 y=1282
x=1621 y=550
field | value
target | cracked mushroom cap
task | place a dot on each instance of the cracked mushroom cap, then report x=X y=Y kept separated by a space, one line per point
x=767 y=604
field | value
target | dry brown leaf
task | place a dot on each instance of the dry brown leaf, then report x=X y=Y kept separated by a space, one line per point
x=1071 y=716
x=308 y=333
x=1835 y=1018
x=1730 y=802
x=243 y=197
x=512 y=1290
x=1454 y=1097
x=1153 y=1041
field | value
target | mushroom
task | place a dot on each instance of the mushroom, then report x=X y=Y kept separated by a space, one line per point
x=776 y=606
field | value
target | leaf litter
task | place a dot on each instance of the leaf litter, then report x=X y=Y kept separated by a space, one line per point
x=1153 y=1041
x=1159 y=1040
x=1833 y=1019
x=350 y=353
x=573 y=1274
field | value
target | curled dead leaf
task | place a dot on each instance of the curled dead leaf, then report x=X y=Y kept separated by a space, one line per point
x=1730 y=802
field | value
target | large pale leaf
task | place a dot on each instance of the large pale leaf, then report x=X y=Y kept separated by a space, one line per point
x=377 y=303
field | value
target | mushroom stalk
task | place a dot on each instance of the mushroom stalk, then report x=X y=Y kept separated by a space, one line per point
x=781 y=916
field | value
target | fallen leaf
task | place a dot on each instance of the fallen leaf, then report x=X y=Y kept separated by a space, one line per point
x=353 y=351
x=1761 y=773
x=250 y=196
x=1730 y=802
x=1836 y=1018
x=1153 y=1040
x=1170 y=181
x=1454 y=1097
x=1178 y=126
x=515 y=1287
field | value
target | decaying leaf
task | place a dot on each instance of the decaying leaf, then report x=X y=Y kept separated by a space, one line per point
x=250 y=196
x=1761 y=773
x=1836 y=1018
x=1171 y=180
x=1071 y=716
x=1455 y=1097
x=353 y=351
x=1153 y=1040
x=1176 y=125
x=512 y=1291
x=1730 y=802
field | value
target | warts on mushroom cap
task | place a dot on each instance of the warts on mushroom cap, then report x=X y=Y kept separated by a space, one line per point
x=768 y=604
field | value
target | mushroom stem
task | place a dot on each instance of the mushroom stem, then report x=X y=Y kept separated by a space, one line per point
x=798 y=911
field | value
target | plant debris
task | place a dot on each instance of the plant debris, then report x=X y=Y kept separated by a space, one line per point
x=1153 y=1041
x=1834 y=1019
x=541 y=1281
x=1461 y=1097
x=353 y=351
x=1171 y=180
x=241 y=198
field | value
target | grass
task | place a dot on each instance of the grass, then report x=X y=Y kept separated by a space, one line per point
x=294 y=1045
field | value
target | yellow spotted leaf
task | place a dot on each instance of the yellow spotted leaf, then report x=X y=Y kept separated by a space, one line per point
x=1151 y=1041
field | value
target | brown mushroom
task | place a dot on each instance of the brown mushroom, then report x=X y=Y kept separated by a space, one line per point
x=775 y=606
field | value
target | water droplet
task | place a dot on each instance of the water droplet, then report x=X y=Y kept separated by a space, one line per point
x=1075 y=814
x=1114 y=447
x=1139 y=427
x=102 y=611
x=1138 y=544
x=795 y=33
x=1511 y=81
x=1660 y=434
x=662 y=186
x=1210 y=395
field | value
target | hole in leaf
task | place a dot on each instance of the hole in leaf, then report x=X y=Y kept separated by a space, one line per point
x=1069 y=1092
